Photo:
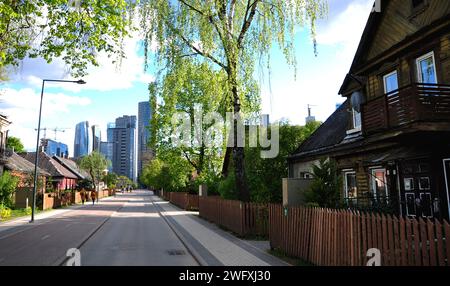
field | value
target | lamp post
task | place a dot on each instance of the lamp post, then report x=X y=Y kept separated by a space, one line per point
x=37 y=140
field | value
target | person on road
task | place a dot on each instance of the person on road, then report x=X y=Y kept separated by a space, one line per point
x=93 y=196
x=83 y=195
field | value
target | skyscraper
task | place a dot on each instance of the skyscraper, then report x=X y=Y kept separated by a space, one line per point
x=53 y=148
x=82 y=145
x=144 y=151
x=124 y=147
x=96 y=138
x=107 y=147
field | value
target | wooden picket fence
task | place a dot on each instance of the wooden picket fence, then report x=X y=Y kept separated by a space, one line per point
x=327 y=237
x=184 y=200
x=242 y=218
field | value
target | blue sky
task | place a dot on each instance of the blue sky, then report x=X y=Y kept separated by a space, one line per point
x=115 y=91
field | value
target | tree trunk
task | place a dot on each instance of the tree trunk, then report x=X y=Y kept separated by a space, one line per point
x=238 y=152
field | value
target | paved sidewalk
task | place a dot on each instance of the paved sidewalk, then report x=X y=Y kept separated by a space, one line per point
x=211 y=245
x=40 y=217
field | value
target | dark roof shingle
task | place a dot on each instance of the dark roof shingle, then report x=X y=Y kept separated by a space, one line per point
x=329 y=134
x=50 y=165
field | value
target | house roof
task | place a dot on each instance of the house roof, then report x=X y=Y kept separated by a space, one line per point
x=14 y=162
x=72 y=166
x=331 y=133
x=366 y=39
x=50 y=165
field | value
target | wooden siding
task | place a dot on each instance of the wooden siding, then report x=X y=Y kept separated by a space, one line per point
x=398 y=23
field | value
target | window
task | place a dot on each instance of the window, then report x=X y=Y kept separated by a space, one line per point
x=350 y=186
x=378 y=182
x=390 y=83
x=356 y=119
x=409 y=184
x=426 y=69
x=424 y=183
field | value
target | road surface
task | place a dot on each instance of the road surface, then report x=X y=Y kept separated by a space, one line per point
x=122 y=230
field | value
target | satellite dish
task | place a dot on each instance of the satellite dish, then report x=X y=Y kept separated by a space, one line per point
x=357 y=99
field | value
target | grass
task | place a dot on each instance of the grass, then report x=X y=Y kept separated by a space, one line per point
x=295 y=261
x=18 y=213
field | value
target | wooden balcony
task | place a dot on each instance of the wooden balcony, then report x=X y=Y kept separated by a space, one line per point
x=425 y=103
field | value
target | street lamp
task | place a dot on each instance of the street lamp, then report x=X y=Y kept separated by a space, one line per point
x=37 y=140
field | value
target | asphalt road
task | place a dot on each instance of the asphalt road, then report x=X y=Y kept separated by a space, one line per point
x=125 y=230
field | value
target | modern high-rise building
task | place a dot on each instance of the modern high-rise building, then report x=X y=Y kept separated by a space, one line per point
x=53 y=148
x=82 y=145
x=124 y=148
x=96 y=138
x=106 y=148
x=144 y=151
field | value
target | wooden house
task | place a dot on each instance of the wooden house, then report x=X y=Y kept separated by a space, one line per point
x=391 y=137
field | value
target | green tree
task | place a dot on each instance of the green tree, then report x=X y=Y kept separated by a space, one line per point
x=15 y=143
x=72 y=30
x=232 y=35
x=110 y=180
x=265 y=175
x=95 y=164
x=8 y=185
x=190 y=92
x=326 y=185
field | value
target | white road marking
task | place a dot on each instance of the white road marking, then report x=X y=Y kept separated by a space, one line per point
x=45 y=237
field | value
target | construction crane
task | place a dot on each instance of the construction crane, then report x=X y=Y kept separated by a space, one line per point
x=310 y=118
x=55 y=130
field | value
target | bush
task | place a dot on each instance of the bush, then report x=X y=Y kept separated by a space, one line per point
x=8 y=185
x=5 y=212
x=227 y=188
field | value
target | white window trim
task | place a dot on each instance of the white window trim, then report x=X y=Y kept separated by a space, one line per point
x=419 y=70
x=372 y=179
x=431 y=201
x=429 y=184
x=384 y=82
x=406 y=204
x=355 y=129
x=347 y=172
x=404 y=185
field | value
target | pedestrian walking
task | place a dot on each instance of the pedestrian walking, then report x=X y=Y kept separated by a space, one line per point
x=83 y=195
x=93 y=196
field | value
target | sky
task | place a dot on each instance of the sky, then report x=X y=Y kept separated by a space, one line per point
x=113 y=91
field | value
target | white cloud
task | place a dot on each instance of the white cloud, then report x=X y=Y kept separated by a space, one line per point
x=347 y=27
x=22 y=108
x=319 y=83
x=107 y=76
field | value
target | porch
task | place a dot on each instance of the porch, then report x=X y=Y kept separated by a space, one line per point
x=418 y=102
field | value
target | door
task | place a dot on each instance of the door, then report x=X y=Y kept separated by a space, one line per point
x=447 y=182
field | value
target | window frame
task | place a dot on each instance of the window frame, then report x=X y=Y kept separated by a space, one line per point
x=419 y=69
x=373 y=181
x=345 y=173
x=392 y=92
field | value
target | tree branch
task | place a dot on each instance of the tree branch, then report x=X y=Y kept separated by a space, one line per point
x=247 y=20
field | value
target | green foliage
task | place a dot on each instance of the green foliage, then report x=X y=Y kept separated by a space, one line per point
x=326 y=186
x=265 y=175
x=95 y=164
x=110 y=180
x=232 y=35
x=5 y=212
x=227 y=188
x=72 y=30
x=8 y=185
x=15 y=143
